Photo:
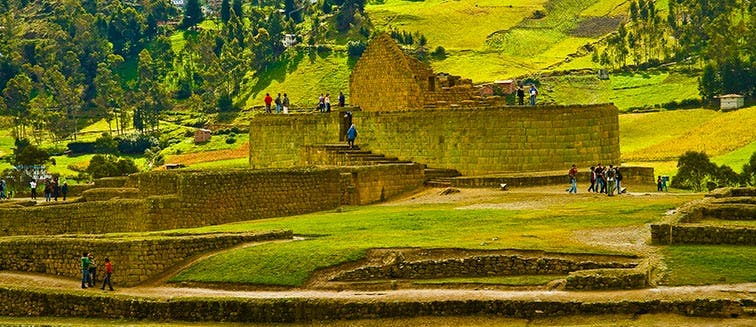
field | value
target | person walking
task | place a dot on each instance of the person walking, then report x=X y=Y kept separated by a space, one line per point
x=268 y=101
x=327 y=102
x=573 y=179
x=351 y=135
x=64 y=190
x=592 y=188
x=619 y=179
x=33 y=185
x=108 y=275
x=321 y=103
x=2 y=190
x=55 y=188
x=85 y=269
x=48 y=190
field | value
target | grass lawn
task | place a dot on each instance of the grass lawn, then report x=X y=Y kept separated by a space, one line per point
x=337 y=237
x=709 y=264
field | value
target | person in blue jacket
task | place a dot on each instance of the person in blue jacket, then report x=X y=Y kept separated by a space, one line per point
x=351 y=135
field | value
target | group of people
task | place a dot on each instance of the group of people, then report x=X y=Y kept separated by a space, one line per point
x=89 y=272
x=52 y=189
x=282 y=104
x=661 y=184
x=603 y=180
x=324 y=102
x=533 y=92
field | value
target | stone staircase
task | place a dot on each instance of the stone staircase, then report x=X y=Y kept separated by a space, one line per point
x=342 y=155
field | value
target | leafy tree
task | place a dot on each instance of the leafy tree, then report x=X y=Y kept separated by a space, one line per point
x=27 y=154
x=748 y=176
x=695 y=171
x=709 y=84
x=237 y=8
x=16 y=96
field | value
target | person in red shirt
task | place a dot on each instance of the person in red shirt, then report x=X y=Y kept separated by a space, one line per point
x=573 y=179
x=268 y=102
x=108 y=272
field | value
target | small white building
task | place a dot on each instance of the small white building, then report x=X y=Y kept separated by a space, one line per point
x=731 y=101
x=178 y=3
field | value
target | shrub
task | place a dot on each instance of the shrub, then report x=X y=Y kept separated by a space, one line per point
x=230 y=140
x=439 y=52
x=81 y=147
x=106 y=144
x=135 y=143
x=109 y=166
x=538 y=14
x=356 y=48
x=25 y=153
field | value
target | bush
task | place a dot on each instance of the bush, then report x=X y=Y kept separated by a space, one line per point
x=356 y=48
x=135 y=143
x=230 y=140
x=26 y=154
x=106 y=144
x=439 y=52
x=538 y=14
x=81 y=147
x=108 y=166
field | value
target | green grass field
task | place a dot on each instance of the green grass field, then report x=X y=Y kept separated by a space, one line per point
x=709 y=264
x=337 y=237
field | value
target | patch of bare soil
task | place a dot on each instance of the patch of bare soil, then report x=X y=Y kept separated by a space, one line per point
x=596 y=26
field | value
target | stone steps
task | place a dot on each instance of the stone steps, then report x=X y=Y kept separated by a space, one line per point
x=440 y=177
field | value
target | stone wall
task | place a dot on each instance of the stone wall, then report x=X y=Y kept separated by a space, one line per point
x=634 y=175
x=477 y=266
x=134 y=260
x=16 y=302
x=75 y=218
x=381 y=182
x=475 y=141
x=688 y=225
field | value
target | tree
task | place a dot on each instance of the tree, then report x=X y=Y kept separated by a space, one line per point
x=237 y=8
x=27 y=154
x=694 y=169
x=709 y=84
x=16 y=96
x=225 y=11
x=192 y=14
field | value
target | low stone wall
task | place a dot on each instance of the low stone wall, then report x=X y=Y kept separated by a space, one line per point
x=134 y=260
x=685 y=227
x=477 y=266
x=107 y=193
x=381 y=182
x=18 y=302
x=635 y=175
x=75 y=218
x=607 y=279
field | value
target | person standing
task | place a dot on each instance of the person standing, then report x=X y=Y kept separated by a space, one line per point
x=48 y=190
x=321 y=103
x=573 y=179
x=278 y=103
x=108 y=274
x=92 y=271
x=351 y=135
x=611 y=178
x=33 y=185
x=533 y=93
x=520 y=95
x=659 y=184
x=601 y=179
x=2 y=190
x=327 y=102
x=268 y=101
x=55 y=188
x=64 y=190
x=619 y=179
x=342 y=100
x=285 y=104
x=85 y=269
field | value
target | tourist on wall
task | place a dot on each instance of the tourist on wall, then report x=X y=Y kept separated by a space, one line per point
x=533 y=93
x=92 y=271
x=592 y=188
x=342 y=100
x=64 y=190
x=327 y=102
x=33 y=185
x=520 y=95
x=278 y=103
x=285 y=104
x=268 y=101
x=611 y=176
x=85 y=269
x=108 y=274
x=351 y=135
x=572 y=174
x=321 y=103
